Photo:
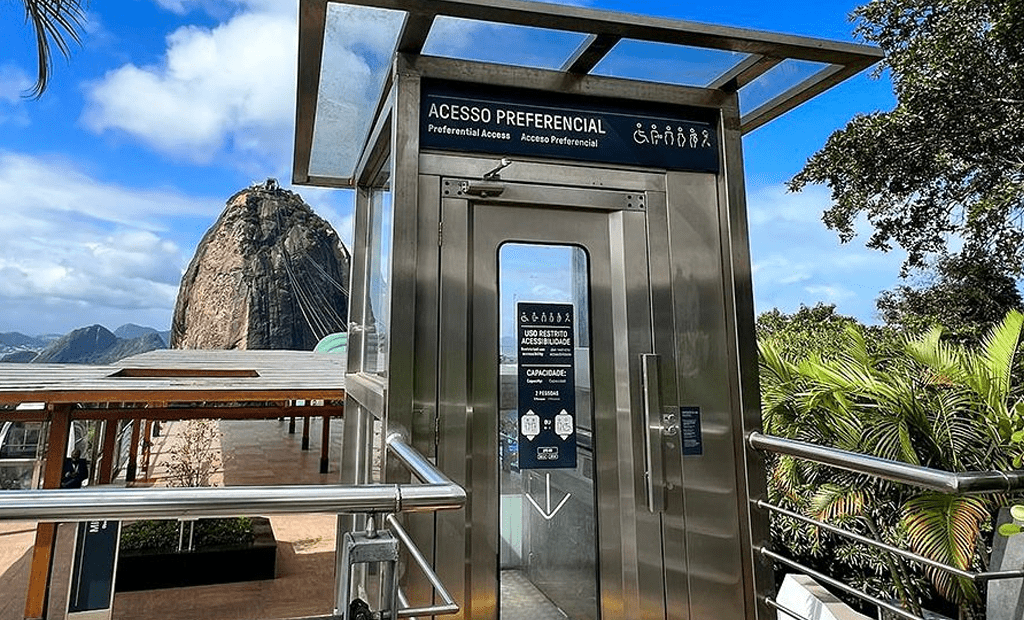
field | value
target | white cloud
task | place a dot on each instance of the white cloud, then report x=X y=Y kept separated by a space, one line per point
x=58 y=188
x=227 y=89
x=14 y=83
x=76 y=251
x=228 y=92
x=832 y=294
x=182 y=7
x=336 y=206
x=796 y=260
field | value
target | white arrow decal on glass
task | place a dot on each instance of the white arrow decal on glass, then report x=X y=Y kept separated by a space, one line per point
x=548 y=514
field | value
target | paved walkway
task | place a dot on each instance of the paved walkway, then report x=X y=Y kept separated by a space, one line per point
x=258 y=452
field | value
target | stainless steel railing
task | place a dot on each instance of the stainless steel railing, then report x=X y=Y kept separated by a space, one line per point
x=435 y=492
x=961 y=483
x=438 y=493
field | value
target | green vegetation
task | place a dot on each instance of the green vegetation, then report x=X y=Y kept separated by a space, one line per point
x=163 y=535
x=947 y=163
x=919 y=399
x=965 y=294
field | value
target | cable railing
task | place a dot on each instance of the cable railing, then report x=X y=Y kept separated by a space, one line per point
x=959 y=483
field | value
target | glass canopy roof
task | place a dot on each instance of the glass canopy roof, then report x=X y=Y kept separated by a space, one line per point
x=346 y=49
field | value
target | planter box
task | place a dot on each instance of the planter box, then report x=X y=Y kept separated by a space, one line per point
x=142 y=570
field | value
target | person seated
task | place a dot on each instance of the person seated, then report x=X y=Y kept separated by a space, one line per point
x=76 y=471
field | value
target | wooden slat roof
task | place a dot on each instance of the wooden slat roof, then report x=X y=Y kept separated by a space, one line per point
x=174 y=375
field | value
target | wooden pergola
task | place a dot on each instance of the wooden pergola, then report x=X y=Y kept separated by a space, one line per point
x=163 y=385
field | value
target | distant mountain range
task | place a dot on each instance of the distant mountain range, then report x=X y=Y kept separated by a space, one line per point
x=87 y=345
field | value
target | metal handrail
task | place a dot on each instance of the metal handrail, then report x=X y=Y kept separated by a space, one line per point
x=88 y=504
x=961 y=483
x=57 y=505
x=418 y=464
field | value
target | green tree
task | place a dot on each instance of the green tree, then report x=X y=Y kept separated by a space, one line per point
x=810 y=329
x=55 y=23
x=949 y=159
x=930 y=402
x=966 y=295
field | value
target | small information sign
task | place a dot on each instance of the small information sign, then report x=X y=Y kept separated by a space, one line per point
x=547 y=385
x=92 y=575
x=689 y=424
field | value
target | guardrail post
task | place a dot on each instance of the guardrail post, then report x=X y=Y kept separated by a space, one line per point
x=46 y=533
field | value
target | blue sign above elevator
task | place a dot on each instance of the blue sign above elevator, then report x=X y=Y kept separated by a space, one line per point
x=464 y=117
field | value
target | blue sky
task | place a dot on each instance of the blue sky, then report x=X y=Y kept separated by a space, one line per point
x=171 y=106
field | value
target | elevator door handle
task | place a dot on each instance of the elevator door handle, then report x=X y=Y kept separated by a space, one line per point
x=653 y=430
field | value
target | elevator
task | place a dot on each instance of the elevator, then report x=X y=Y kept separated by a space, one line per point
x=551 y=300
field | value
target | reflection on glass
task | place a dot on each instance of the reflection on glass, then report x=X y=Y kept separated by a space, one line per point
x=358 y=45
x=548 y=524
x=468 y=39
x=671 y=64
x=781 y=77
x=378 y=284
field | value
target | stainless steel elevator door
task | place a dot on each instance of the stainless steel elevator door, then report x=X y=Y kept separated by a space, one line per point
x=548 y=520
x=514 y=552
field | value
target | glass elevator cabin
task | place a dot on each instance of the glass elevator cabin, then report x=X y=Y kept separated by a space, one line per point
x=551 y=294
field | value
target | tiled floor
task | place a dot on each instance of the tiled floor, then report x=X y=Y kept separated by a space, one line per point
x=257 y=452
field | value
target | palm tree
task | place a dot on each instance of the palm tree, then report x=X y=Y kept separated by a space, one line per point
x=55 y=23
x=926 y=402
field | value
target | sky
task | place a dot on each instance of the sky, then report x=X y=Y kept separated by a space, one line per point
x=169 y=107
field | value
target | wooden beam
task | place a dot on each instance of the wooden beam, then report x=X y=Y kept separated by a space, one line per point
x=46 y=533
x=106 y=472
x=13 y=395
x=165 y=414
x=12 y=415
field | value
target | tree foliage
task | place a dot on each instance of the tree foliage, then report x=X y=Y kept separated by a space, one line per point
x=949 y=159
x=818 y=329
x=966 y=295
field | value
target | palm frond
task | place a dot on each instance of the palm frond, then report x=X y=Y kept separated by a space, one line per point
x=834 y=503
x=945 y=528
x=998 y=350
x=54 y=22
x=944 y=361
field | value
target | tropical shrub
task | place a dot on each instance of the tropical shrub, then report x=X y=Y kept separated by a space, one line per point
x=922 y=401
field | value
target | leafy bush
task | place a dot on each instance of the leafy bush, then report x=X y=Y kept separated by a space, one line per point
x=926 y=402
x=163 y=535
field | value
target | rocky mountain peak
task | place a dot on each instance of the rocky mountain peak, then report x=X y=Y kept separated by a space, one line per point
x=95 y=345
x=269 y=274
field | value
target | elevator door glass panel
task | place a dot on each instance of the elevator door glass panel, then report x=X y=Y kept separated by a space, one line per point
x=547 y=546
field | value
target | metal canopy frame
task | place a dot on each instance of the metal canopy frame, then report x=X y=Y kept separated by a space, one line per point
x=603 y=30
